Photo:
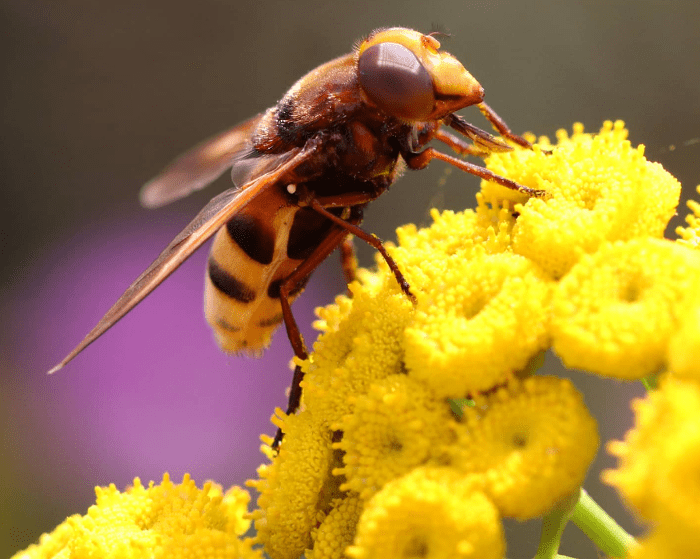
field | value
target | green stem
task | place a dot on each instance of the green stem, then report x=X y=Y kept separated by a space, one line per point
x=600 y=527
x=553 y=525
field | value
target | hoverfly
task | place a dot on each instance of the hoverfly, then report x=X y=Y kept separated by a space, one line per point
x=304 y=172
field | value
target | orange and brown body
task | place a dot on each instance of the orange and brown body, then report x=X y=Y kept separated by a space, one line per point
x=304 y=172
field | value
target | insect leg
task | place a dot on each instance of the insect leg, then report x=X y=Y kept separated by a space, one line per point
x=371 y=240
x=500 y=125
x=348 y=259
x=420 y=161
x=459 y=146
x=329 y=243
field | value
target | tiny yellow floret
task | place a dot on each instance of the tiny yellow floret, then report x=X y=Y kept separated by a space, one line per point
x=690 y=236
x=337 y=529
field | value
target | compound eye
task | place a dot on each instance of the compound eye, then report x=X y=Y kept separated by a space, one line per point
x=393 y=77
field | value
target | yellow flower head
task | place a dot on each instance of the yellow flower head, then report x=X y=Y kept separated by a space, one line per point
x=614 y=313
x=293 y=488
x=601 y=190
x=397 y=425
x=684 y=347
x=690 y=235
x=360 y=345
x=482 y=319
x=429 y=514
x=533 y=441
x=337 y=529
x=659 y=461
x=663 y=543
x=166 y=520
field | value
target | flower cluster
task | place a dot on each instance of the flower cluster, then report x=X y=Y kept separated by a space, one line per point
x=158 y=521
x=424 y=425
x=659 y=469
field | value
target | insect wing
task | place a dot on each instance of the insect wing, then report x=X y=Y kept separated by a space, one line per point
x=212 y=217
x=199 y=166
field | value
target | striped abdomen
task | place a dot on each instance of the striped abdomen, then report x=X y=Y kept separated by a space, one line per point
x=249 y=259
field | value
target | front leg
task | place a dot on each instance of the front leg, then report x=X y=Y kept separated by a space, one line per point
x=420 y=161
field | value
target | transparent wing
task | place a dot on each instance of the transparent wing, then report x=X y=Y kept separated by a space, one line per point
x=212 y=217
x=199 y=166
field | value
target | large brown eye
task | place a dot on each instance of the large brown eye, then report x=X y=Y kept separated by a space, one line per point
x=396 y=81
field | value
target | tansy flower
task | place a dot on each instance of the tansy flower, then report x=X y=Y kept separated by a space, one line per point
x=532 y=441
x=684 y=346
x=690 y=235
x=361 y=344
x=614 y=313
x=663 y=544
x=659 y=461
x=166 y=520
x=397 y=425
x=425 y=252
x=601 y=189
x=337 y=529
x=429 y=514
x=483 y=318
x=293 y=488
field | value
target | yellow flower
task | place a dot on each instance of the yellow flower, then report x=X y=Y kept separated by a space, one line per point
x=482 y=319
x=397 y=425
x=614 y=313
x=664 y=544
x=166 y=520
x=430 y=514
x=360 y=345
x=601 y=190
x=659 y=461
x=690 y=235
x=337 y=529
x=684 y=347
x=293 y=488
x=453 y=234
x=533 y=441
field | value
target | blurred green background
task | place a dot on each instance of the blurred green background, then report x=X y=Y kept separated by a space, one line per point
x=98 y=96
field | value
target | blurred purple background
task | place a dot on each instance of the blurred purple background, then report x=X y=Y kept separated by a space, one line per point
x=153 y=395
x=99 y=96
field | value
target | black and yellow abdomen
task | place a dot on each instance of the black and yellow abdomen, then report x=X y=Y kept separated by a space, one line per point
x=249 y=259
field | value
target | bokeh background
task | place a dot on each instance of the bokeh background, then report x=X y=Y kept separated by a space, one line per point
x=97 y=96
